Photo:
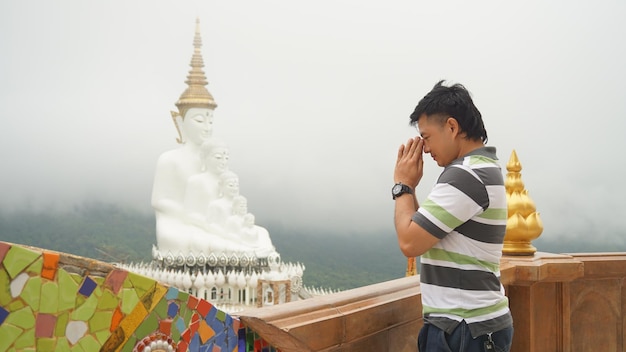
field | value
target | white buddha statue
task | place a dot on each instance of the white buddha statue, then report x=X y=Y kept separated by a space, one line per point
x=194 y=123
x=173 y=170
x=195 y=196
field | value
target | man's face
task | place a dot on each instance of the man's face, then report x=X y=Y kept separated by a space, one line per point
x=197 y=126
x=438 y=138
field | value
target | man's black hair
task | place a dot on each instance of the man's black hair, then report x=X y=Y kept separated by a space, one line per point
x=454 y=101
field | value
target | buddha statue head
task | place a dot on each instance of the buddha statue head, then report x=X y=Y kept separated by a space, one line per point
x=196 y=104
x=229 y=184
x=214 y=155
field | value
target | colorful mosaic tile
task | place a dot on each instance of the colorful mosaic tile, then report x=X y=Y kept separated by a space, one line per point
x=44 y=307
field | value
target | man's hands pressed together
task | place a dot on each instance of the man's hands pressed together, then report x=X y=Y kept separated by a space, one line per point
x=410 y=164
x=412 y=238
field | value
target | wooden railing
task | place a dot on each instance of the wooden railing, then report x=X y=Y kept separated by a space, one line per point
x=560 y=302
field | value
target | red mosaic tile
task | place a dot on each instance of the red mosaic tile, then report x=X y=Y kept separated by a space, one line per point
x=45 y=325
x=50 y=265
x=4 y=248
x=182 y=346
x=204 y=307
x=186 y=335
x=115 y=280
x=165 y=326
x=116 y=318
x=192 y=302
x=193 y=326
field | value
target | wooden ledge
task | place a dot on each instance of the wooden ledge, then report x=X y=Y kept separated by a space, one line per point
x=602 y=265
x=327 y=322
x=541 y=267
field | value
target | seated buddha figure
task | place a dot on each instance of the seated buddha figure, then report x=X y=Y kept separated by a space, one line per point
x=173 y=170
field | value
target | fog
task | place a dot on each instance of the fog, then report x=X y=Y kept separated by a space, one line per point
x=313 y=101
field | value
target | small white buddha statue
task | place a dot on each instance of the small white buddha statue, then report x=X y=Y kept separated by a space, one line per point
x=220 y=209
x=203 y=188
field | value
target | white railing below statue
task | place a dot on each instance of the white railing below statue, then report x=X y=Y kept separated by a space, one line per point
x=229 y=290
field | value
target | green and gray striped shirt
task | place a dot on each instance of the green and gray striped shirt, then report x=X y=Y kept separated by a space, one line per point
x=460 y=275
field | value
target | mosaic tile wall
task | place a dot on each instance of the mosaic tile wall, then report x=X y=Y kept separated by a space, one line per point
x=53 y=302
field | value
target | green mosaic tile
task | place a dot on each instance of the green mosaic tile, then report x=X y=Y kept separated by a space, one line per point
x=186 y=314
x=175 y=332
x=77 y=348
x=147 y=327
x=31 y=293
x=36 y=266
x=8 y=334
x=161 y=309
x=61 y=324
x=68 y=289
x=97 y=291
x=5 y=290
x=100 y=321
x=129 y=345
x=46 y=345
x=17 y=259
x=98 y=279
x=79 y=300
x=141 y=284
x=25 y=340
x=63 y=345
x=129 y=300
x=102 y=336
x=23 y=318
x=108 y=301
x=89 y=343
x=127 y=283
x=221 y=315
x=48 y=302
x=76 y=277
x=86 y=310
x=15 y=305
x=183 y=297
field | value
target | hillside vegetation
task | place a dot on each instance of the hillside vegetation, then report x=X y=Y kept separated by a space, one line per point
x=112 y=233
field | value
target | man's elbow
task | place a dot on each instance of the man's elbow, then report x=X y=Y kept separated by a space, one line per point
x=409 y=249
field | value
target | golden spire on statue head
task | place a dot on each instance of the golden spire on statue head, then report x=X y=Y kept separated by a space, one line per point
x=196 y=95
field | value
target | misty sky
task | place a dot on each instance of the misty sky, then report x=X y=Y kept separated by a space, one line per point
x=313 y=100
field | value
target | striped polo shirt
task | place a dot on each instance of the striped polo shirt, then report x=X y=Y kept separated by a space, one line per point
x=460 y=275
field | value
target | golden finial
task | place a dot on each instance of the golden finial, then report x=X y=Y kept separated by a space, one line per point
x=411 y=267
x=523 y=224
x=196 y=95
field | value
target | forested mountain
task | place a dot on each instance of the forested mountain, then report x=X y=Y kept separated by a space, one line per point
x=113 y=233
x=333 y=260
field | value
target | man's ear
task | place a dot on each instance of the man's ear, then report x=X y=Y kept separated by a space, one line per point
x=453 y=125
